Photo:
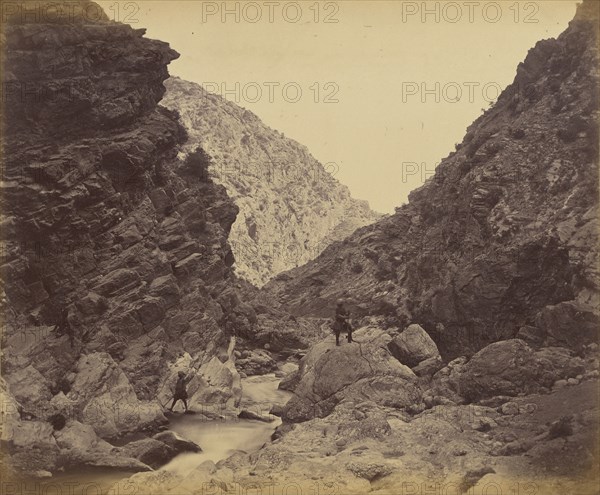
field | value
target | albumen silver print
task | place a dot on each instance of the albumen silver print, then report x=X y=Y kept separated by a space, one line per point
x=299 y=247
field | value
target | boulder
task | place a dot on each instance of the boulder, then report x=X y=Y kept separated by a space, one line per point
x=364 y=370
x=176 y=442
x=259 y=362
x=429 y=366
x=222 y=380
x=31 y=389
x=150 y=451
x=221 y=384
x=290 y=381
x=413 y=345
x=246 y=414
x=32 y=446
x=106 y=399
x=80 y=446
x=511 y=367
x=570 y=323
x=276 y=410
x=502 y=368
x=214 y=386
x=369 y=470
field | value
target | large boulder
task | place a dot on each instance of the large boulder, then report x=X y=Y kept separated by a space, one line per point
x=363 y=370
x=176 y=442
x=80 y=446
x=106 y=399
x=511 y=367
x=31 y=389
x=222 y=384
x=413 y=345
x=32 y=446
x=256 y=362
x=150 y=451
x=10 y=415
x=501 y=368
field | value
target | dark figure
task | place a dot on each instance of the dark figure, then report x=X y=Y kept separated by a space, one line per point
x=64 y=327
x=342 y=323
x=180 y=390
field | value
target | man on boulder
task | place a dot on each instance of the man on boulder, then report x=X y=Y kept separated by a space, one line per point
x=341 y=322
x=181 y=390
x=63 y=326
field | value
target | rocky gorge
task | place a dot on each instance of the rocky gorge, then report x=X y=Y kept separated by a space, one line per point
x=290 y=206
x=475 y=362
x=105 y=227
x=502 y=240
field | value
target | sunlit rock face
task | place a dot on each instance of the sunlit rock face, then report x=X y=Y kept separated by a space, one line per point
x=291 y=207
x=504 y=234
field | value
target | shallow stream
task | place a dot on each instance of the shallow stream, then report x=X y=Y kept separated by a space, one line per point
x=217 y=438
x=220 y=438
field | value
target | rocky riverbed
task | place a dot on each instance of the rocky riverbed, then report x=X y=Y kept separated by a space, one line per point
x=361 y=435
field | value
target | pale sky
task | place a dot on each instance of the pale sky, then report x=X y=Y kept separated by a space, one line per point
x=361 y=92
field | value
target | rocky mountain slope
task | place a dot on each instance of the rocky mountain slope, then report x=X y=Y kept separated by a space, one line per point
x=503 y=240
x=290 y=206
x=106 y=229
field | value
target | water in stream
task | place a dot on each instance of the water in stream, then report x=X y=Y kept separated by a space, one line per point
x=219 y=438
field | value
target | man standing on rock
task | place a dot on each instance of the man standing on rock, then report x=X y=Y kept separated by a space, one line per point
x=181 y=390
x=342 y=322
x=64 y=327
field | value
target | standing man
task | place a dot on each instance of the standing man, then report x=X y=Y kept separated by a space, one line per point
x=181 y=390
x=64 y=327
x=342 y=322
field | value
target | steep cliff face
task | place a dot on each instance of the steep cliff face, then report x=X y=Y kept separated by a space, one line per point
x=291 y=207
x=103 y=221
x=504 y=236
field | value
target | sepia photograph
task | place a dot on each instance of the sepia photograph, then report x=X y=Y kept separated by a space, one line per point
x=301 y=247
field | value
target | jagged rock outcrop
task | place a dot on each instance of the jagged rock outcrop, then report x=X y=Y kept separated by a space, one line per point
x=103 y=228
x=291 y=207
x=504 y=235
